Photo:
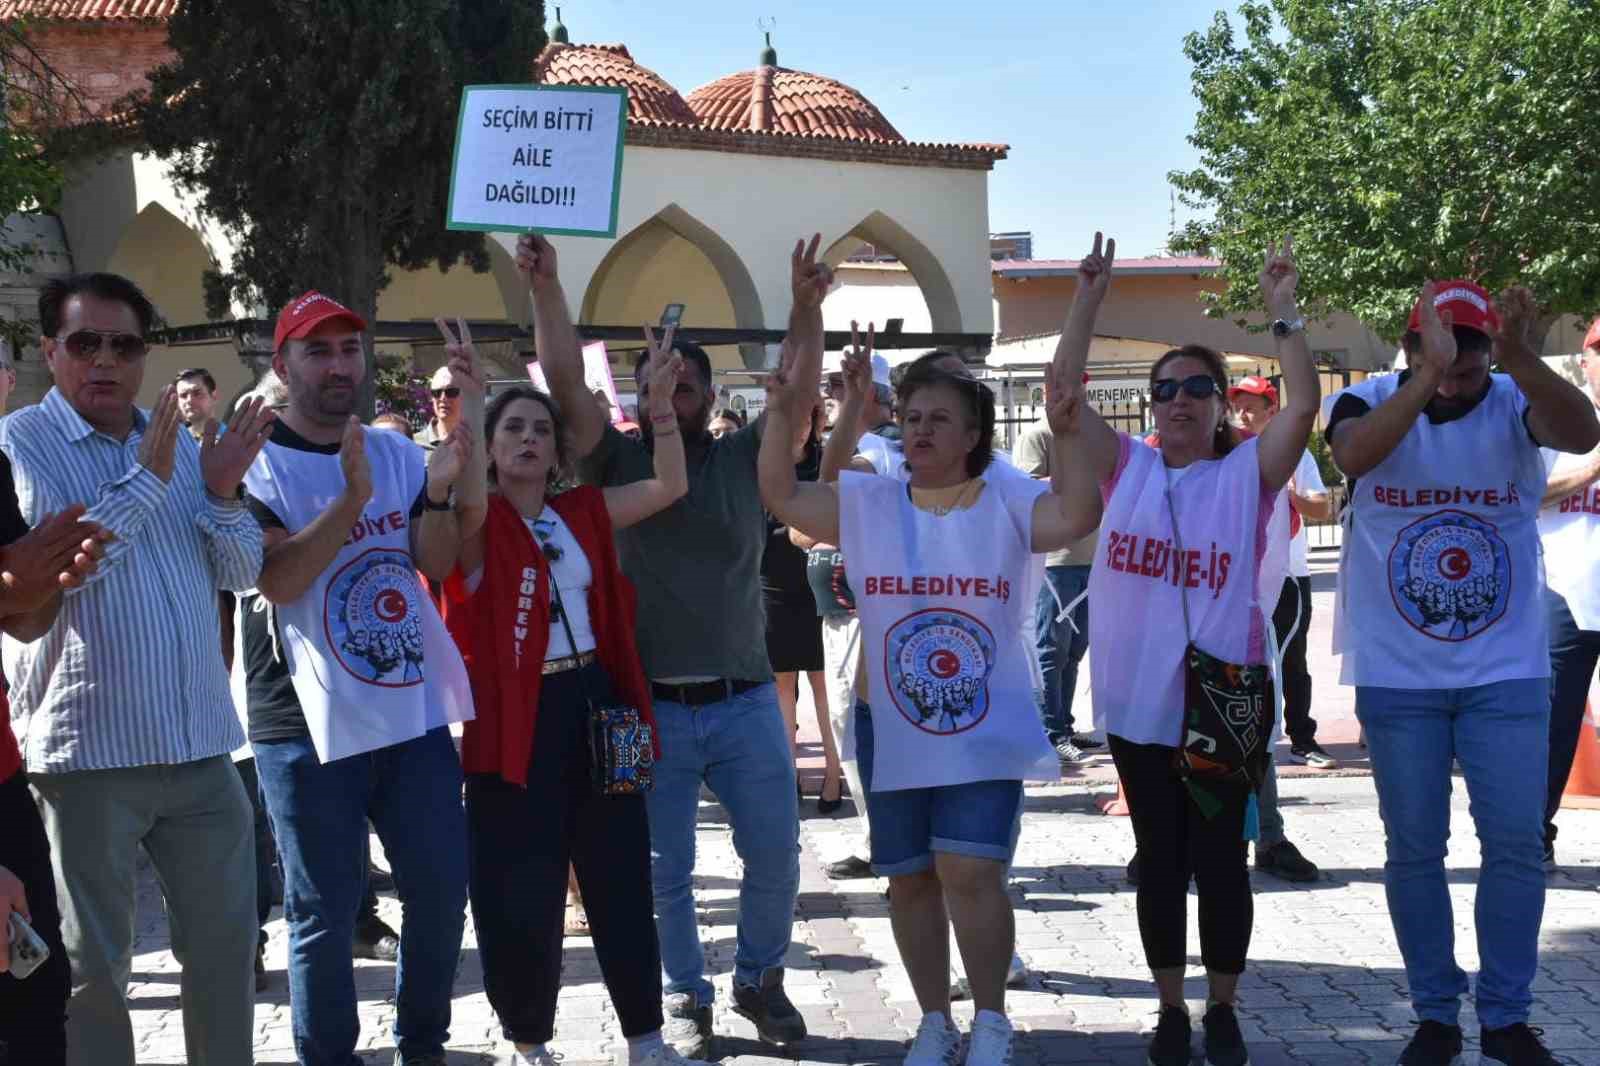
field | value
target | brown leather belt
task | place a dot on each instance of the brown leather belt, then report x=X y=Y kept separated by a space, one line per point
x=567 y=662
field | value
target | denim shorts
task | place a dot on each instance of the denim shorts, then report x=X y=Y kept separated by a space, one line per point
x=980 y=818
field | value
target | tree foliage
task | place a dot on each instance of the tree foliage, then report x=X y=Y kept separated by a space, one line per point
x=319 y=136
x=1400 y=140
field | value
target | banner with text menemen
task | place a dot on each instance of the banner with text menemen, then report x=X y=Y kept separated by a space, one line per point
x=540 y=159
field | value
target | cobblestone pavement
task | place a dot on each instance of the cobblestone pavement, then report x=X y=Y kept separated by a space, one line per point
x=1325 y=984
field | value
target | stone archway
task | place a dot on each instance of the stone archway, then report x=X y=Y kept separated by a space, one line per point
x=881 y=231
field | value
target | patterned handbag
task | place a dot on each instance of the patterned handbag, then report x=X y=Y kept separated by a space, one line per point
x=621 y=742
x=1228 y=712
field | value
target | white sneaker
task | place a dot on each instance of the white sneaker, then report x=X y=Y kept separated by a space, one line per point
x=937 y=1042
x=539 y=1056
x=990 y=1043
x=1017 y=975
x=662 y=1055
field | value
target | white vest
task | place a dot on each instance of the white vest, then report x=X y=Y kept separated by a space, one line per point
x=1440 y=579
x=1136 y=631
x=371 y=660
x=1570 y=532
x=941 y=602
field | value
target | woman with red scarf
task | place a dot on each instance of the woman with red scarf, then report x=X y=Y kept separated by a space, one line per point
x=544 y=618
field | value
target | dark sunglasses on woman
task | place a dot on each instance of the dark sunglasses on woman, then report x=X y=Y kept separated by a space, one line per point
x=451 y=391
x=85 y=344
x=1197 y=385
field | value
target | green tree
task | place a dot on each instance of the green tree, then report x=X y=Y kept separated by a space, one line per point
x=1400 y=140
x=319 y=135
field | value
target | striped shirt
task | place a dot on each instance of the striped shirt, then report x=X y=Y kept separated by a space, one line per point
x=131 y=674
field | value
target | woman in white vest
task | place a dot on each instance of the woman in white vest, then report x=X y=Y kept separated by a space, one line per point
x=938 y=566
x=1181 y=549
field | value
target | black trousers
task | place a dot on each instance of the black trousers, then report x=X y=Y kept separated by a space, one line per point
x=519 y=842
x=33 y=1010
x=1292 y=617
x=266 y=846
x=1177 y=843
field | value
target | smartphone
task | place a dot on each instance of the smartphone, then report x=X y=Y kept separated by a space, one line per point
x=28 y=949
x=671 y=315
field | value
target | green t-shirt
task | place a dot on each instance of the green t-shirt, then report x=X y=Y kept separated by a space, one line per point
x=696 y=565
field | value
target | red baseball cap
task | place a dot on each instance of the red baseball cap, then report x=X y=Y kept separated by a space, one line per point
x=1592 y=338
x=1254 y=385
x=1468 y=303
x=305 y=313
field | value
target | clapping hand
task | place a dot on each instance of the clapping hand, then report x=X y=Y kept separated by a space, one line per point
x=1438 y=337
x=1094 y=271
x=536 y=262
x=58 y=553
x=448 y=459
x=1519 y=335
x=225 y=458
x=1280 y=277
x=159 y=443
x=810 y=277
x=353 y=461
x=1063 y=403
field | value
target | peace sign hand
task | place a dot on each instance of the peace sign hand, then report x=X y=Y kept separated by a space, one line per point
x=536 y=262
x=1438 y=338
x=1094 y=271
x=810 y=277
x=663 y=368
x=461 y=354
x=1280 y=277
x=224 y=459
x=857 y=366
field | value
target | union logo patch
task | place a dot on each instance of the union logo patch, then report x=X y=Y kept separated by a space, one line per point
x=1450 y=575
x=937 y=664
x=372 y=619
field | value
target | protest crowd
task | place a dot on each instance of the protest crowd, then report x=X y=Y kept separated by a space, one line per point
x=518 y=646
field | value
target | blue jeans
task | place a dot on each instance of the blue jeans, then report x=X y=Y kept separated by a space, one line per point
x=1500 y=735
x=1061 y=648
x=740 y=749
x=412 y=793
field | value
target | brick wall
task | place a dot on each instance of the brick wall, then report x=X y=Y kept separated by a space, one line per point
x=106 y=61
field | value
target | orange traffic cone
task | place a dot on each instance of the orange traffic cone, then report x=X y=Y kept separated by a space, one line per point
x=1114 y=805
x=1583 y=784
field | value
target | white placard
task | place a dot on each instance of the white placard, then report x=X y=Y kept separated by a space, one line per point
x=538 y=159
x=1114 y=392
x=596 y=376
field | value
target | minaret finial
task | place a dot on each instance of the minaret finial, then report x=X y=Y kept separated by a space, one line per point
x=559 y=34
x=769 y=54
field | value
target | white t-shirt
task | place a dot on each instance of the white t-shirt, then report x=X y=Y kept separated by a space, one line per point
x=1307 y=481
x=943 y=597
x=1569 y=530
x=573 y=576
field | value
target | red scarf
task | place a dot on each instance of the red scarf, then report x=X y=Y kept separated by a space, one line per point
x=503 y=629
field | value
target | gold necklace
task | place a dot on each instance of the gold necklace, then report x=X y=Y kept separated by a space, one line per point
x=940 y=502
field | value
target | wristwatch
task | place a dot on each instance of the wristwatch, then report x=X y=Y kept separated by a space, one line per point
x=429 y=505
x=1282 y=328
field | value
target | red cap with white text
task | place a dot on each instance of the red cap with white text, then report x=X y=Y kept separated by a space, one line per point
x=305 y=313
x=1468 y=303
x=1254 y=385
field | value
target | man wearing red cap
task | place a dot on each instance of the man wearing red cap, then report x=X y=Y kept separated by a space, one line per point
x=361 y=683
x=1439 y=622
x=1569 y=527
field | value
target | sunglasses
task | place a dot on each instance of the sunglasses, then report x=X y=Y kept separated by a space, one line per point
x=85 y=344
x=451 y=391
x=1198 y=386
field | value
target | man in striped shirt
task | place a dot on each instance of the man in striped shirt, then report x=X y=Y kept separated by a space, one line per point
x=121 y=707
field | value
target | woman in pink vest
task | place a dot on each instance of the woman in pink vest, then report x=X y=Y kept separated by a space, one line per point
x=545 y=621
x=1178 y=564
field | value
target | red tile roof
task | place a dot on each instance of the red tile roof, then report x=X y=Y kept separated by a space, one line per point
x=780 y=100
x=650 y=97
x=87 y=10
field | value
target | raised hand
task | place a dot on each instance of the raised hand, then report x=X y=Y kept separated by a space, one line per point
x=784 y=393
x=1521 y=325
x=1438 y=339
x=448 y=459
x=536 y=262
x=1280 y=277
x=663 y=368
x=809 y=277
x=159 y=445
x=857 y=366
x=1063 y=404
x=353 y=461
x=1094 y=271
x=225 y=458
x=57 y=553
x=461 y=354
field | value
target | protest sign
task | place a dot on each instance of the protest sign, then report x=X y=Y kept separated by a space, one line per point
x=596 y=376
x=538 y=159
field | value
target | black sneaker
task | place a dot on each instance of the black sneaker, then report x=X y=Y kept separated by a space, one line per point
x=1133 y=870
x=1224 y=1041
x=1086 y=742
x=686 y=1026
x=1068 y=752
x=1516 y=1045
x=1170 y=1047
x=1435 y=1044
x=776 y=1020
x=1284 y=860
x=375 y=940
x=852 y=869
x=1313 y=756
